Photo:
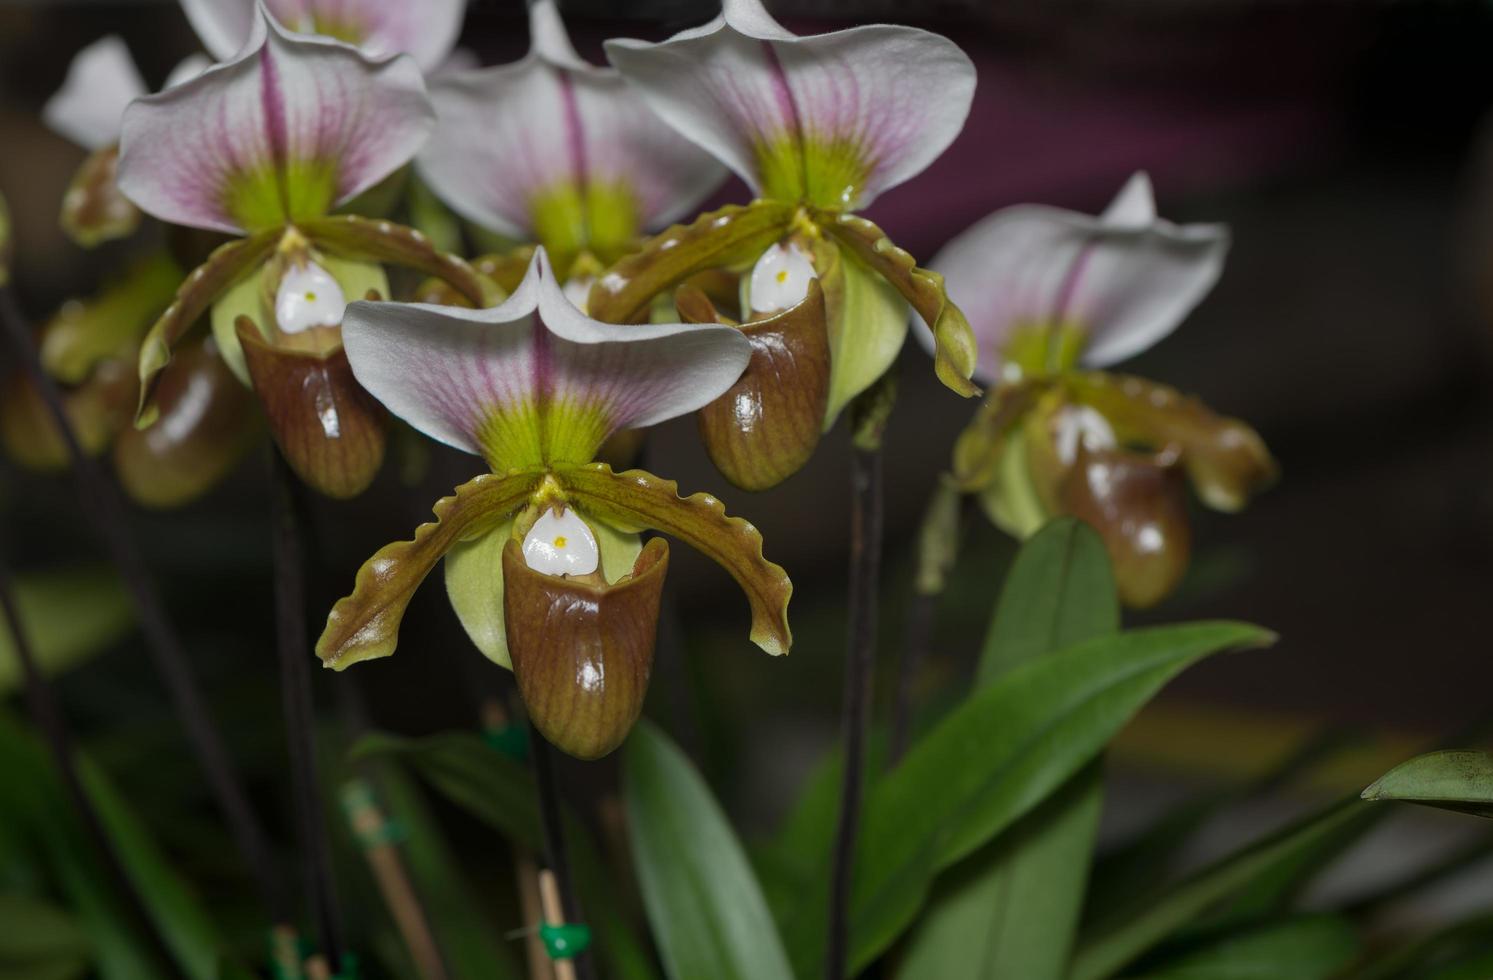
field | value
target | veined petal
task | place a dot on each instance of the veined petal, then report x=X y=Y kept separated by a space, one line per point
x=640 y=499
x=833 y=119
x=534 y=380
x=293 y=127
x=425 y=30
x=101 y=81
x=554 y=150
x=1122 y=281
x=949 y=335
x=712 y=241
x=365 y=624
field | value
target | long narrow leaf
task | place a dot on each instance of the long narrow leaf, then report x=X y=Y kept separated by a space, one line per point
x=1011 y=909
x=703 y=900
x=1311 y=948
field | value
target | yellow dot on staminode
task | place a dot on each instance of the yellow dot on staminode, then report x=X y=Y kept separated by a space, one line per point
x=311 y=297
x=560 y=541
x=782 y=275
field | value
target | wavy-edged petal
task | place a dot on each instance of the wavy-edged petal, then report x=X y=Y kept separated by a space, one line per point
x=639 y=499
x=288 y=130
x=713 y=240
x=89 y=106
x=365 y=624
x=225 y=266
x=833 y=119
x=1124 y=279
x=953 y=343
x=554 y=150
x=424 y=30
x=534 y=380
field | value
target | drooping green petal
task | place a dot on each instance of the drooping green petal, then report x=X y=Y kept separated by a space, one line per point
x=365 y=624
x=366 y=240
x=639 y=499
x=202 y=287
x=866 y=319
x=1226 y=460
x=954 y=341
x=726 y=237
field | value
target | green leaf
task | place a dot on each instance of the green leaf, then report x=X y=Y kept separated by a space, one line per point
x=69 y=615
x=1060 y=590
x=469 y=942
x=1118 y=940
x=1449 y=780
x=36 y=931
x=178 y=914
x=500 y=793
x=703 y=901
x=994 y=759
x=1310 y=948
x=1011 y=909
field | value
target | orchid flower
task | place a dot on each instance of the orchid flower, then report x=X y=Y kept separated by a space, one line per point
x=264 y=147
x=87 y=110
x=424 y=30
x=555 y=151
x=544 y=565
x=1055 y=296
x=817 y=126
x=90 y=346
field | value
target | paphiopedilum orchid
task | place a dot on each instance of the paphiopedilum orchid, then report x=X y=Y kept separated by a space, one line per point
x=1054 y=296
x=817 y=127
x=544 y=564
x=101 y=81
x=90 y=346
x=551 y=150
x=426 y=31
x=264 y=147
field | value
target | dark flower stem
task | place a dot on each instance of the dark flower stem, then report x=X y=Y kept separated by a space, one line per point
x=552 y=822
x=869 y=415
x=102 y=503
x=300 y=718
x=48 y=717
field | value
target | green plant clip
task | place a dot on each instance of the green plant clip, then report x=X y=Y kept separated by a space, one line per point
x=565 y=941
x=511 y=740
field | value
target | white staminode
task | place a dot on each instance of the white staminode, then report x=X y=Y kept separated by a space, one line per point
x=577 y=289
x=780 y=279
x=1080 y=422
x=561 y=544
x=308 y=297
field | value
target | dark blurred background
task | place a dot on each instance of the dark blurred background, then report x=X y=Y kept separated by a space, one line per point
x=1347 y=144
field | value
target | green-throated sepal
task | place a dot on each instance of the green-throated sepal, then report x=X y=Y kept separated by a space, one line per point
x=766 y=425
x=207 y=423
x=365 y=624
x=583 y=650
x=637 y=500
x=730 y=236
x=93 y=209
x=954 y=342
x=331 y=432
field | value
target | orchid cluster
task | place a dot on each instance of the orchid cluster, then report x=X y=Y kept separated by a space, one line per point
x=595 y=317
